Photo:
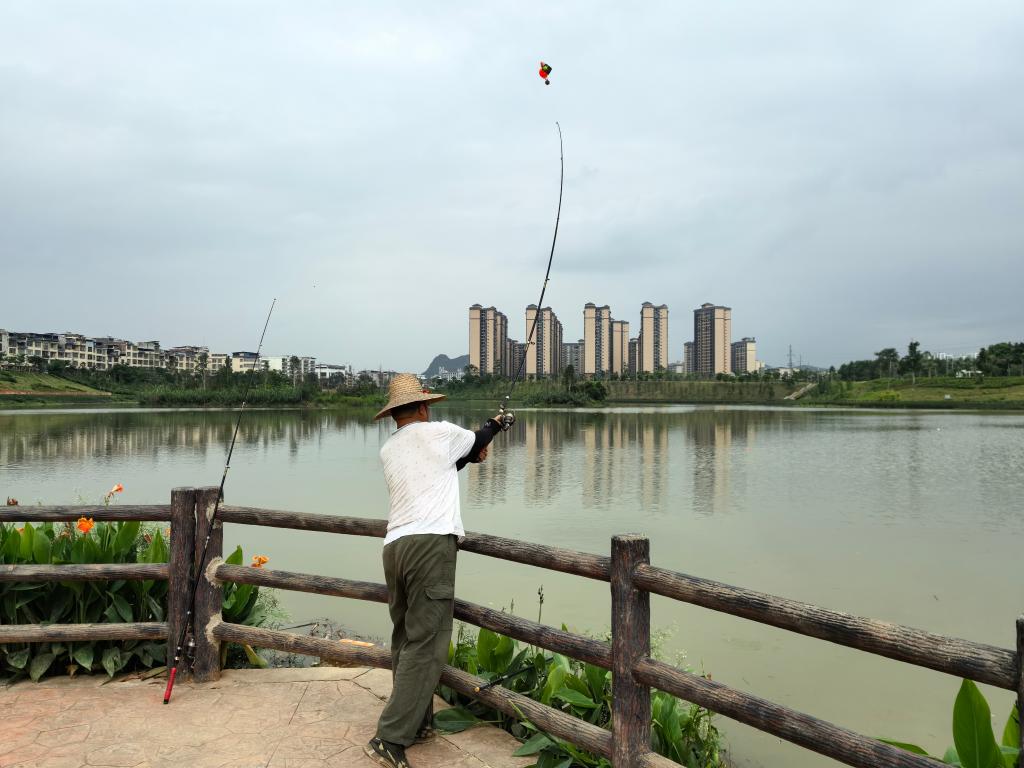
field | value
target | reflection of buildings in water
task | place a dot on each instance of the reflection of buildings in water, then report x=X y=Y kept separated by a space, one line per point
x=113 y=435
x=654 y=461
x=542 y=439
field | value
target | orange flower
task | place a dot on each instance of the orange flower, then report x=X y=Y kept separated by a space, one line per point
x=22 y=529
x=116 y=489
x=258 y=561
x=85 y=524
x=167 y=533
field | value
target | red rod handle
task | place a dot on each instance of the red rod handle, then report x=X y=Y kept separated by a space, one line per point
x=170 y=684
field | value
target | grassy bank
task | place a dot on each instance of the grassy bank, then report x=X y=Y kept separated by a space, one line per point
x=633 y=392
x=41 y=390
x=940 y=392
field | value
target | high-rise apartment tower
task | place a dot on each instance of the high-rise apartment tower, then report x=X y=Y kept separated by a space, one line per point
x=712 y=335
x=653 y=338
x=488 y=337
x=597 y=339
x=544 y=358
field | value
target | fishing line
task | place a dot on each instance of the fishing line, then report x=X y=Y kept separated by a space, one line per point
x=547 y=275
x=194 y=578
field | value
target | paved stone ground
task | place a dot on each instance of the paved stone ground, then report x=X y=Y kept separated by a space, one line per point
x=278 y=718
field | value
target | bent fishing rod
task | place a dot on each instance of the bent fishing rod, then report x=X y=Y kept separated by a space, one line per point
x=540 y=302
x=194 y=578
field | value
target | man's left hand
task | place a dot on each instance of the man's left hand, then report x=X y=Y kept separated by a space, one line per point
x=483 y=453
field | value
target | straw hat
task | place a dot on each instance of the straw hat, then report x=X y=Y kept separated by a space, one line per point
x=405 y=388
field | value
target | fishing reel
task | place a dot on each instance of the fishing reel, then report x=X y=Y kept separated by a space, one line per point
x=506 y=418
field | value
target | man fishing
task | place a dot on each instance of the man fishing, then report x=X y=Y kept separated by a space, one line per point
x=421 y=460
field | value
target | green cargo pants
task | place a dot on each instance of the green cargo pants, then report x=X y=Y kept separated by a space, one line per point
x=420 y=574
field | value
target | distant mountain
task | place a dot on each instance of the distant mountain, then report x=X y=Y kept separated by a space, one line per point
x=448 y=363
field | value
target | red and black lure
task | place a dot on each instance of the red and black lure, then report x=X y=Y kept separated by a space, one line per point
x=545 y=70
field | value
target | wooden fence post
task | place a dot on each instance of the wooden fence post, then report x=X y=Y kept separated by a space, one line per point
x=1020 y=681
x=209 y=595
x=631 y=641
x=180 y=562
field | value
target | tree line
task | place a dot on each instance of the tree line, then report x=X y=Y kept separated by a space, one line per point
x=1002 y=359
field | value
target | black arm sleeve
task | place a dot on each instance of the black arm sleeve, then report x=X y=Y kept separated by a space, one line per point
x=484 y=435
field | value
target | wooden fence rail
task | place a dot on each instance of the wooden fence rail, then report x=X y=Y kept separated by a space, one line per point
x=631 y=577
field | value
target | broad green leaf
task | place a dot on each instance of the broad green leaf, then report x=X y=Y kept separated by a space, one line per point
x=905 y=746
x=41 y=548
x=18 y=659
x=1010 y=755
x=972 y=729
x=39 y=664
x=950 y=757
x=554 y=682
x=124 y=610
x=486 y=642
x=533 y=745
x=84 y=655
x=597 y=679
x=575 y=698
x=112 y=661
x=127 y=532
x=12 y=546
x=27 y=542
x=455 y=720
x=503 y=653
x=157 y=551
x=254 y=658
x=1011 y=732
x=236 y=557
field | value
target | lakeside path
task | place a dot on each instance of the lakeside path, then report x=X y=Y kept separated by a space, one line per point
x=316 y=717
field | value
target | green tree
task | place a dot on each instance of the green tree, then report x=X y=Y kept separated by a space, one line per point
x=568 y=377
x=888 y=361
x=202 y=364
x=913 y=361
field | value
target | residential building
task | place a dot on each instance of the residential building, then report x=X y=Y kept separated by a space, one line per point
x=242 y=362
x=653 y=338
x=293 y=366
x=677 y=367
x=488 y=334
x=712 y=336
x=597 y=338
x=744 y=356
x=188 y=359
x=634 y=355
x=619 y=362
x=516 y=355
x=5 y=344
x=544 y=350
x=572 y=354
x=688 y=357
x=332 y=375
x=219 y=360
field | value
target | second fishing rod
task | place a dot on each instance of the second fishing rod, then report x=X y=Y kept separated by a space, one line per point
x=196 y=576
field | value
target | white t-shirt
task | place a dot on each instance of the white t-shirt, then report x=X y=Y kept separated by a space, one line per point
x=419 y=467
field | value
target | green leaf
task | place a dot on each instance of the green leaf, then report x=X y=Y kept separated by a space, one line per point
x=127 y=533
x=27 y=542
x=39 y=665
x=486 y=642
x=972 y=729
x=84 y=655
x=1011 y=732
x=575 y=698
x=124 y=610
x=597 y=679
x=112 y=661
x=533 y=745
x=18 y=659
x=554 y=682
x=254 y=658
x=1010 y=755
x=951 y=757
x=236 y=557
x=455 y=720
x=905 y=746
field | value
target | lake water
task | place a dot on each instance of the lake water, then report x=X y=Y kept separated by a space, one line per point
x=912 y=517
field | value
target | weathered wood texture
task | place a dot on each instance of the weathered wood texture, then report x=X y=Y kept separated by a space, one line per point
x=156 y=512
x=1020 y=678
x=566 y=643
x=179 y=578
x=547 y=719
x=56 y=633
x=963 y=658
x=842 y=744
x=654 y=760
x=631 y=642
x=209 y=597
x=302 y=582
x=541 y=555
x=97 y=572
x=303 y=521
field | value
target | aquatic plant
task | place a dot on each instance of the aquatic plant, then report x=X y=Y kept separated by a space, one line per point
x=974 y=743
x=680 y=731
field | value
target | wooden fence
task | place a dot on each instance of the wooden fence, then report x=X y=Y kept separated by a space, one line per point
x=632 y=580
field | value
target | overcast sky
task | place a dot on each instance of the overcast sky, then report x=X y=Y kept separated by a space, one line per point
x=844 y=175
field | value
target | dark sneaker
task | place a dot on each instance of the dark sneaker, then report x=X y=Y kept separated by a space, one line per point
x=386 y=753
